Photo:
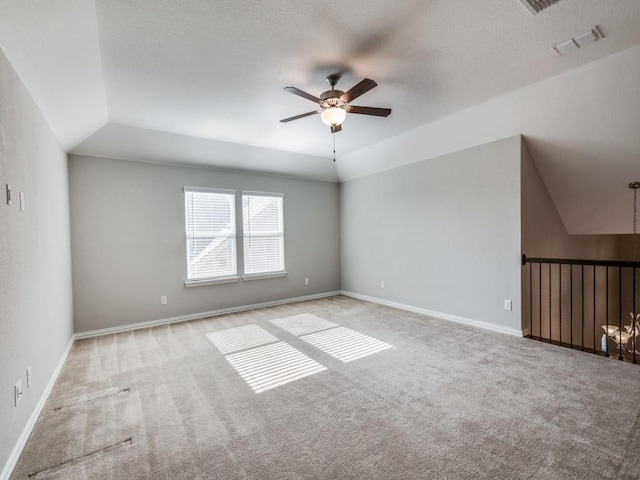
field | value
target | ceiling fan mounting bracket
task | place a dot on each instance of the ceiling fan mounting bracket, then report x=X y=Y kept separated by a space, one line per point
x=333 y=79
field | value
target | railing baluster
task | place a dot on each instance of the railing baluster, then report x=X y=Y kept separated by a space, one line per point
x=606 y=345
x=560 y=298
x=540 y=300
x=531 y=299
x=571 y=306
x=594 y=309
x=620 y=310
x=633 y=321
x=550 y=299
x=582 y=313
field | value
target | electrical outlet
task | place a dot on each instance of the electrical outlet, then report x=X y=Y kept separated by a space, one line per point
x=306 y=282
x=381 y=283
x=163 y=300
x=29 y=377
x=507 y=305
x=17 y=392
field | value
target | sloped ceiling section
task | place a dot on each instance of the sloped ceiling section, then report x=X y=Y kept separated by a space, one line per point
x=55 y=49
x=139 y=144
x=201 y=82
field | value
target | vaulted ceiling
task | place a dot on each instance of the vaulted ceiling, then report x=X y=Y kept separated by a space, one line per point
x=201 y=82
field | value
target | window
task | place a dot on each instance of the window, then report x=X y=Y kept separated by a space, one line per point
x=210 y=218
x=263 y=233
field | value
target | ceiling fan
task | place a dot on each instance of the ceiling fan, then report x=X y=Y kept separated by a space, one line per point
x=334 y=104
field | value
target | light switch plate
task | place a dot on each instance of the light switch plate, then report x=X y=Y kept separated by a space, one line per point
x=17 y=392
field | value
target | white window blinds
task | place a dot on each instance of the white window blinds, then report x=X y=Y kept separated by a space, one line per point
x=210 y=220
x=262 y=220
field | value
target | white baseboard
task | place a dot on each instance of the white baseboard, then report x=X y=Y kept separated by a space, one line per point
x=197 y=316
x=443 y=316
x=26 y=431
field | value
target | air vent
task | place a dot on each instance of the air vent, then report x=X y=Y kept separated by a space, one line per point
x=536 y=6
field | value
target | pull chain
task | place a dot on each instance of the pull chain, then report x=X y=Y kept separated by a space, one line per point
x=334 y=149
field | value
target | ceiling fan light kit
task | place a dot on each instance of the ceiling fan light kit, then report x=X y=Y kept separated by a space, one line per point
x=334 y=104
x=333 y=116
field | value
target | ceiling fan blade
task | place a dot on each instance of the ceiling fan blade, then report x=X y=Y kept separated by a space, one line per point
x=308 y=114
x=363 y=87
x=300 y=93
x=336 y=128
x=378 y=112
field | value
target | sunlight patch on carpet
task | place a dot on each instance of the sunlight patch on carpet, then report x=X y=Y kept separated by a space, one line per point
x=270 y=366
x=240 y=338
x=345 y=344
x=305 y=323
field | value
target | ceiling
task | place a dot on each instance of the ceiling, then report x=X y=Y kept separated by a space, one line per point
x=201 y=82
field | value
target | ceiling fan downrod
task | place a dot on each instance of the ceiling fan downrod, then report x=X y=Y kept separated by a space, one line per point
x=333 y=80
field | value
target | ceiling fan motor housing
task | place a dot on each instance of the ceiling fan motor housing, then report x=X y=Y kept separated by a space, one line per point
x=331 y=98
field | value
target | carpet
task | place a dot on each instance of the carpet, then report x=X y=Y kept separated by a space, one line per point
x=371 y=392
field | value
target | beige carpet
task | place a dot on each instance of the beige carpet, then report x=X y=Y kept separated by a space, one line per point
x=334 y=389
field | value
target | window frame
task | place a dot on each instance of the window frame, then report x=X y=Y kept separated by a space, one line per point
x=218 y=279
x=245 y=235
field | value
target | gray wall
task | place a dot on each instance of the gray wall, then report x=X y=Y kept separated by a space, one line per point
x=129 y=244
x=443 y=234
x=35 y=266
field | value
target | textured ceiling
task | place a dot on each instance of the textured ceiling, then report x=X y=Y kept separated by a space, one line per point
x=201 y=82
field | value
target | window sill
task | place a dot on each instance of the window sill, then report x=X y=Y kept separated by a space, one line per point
x=262 y=276
x=211 y=281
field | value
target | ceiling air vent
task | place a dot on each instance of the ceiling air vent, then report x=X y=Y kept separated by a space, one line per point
x=536 y=6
